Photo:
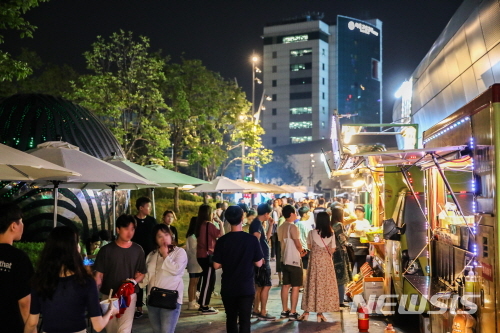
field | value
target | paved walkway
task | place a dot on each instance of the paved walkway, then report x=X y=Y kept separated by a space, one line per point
x=191 y=321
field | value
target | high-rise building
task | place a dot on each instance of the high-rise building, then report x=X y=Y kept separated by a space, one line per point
x=312 y=68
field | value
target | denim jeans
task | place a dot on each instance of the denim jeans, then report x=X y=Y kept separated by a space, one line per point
x=238 y=313
x=163 y=320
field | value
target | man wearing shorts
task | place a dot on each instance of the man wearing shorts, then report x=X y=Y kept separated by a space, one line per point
x=292 y=275
x=257 y=229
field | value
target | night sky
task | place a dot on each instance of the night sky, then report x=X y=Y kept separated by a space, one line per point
x=224 y=33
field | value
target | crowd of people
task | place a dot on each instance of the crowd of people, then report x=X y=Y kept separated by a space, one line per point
x=76 y=280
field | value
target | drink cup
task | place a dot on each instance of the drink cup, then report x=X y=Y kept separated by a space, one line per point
x=105 y=304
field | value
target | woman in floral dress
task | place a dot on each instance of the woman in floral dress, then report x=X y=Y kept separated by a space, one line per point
x=322 y=293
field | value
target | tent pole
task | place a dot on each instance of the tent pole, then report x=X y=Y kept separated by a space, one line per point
x=113 y=215
x=154 y=202
x=56 y=198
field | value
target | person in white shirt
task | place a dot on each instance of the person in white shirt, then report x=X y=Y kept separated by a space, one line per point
x=357 y=230
x=166 y=267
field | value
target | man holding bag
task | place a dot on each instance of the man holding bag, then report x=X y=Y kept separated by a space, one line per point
x=262 y=291
x=291 y=256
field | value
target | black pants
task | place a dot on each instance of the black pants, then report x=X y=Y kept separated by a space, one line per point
x=359 y=261
x=238 y=313
x=274 y=240
x=207 y=286
x=140 y=298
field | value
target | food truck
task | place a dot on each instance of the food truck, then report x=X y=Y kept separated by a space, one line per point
x=445 y=267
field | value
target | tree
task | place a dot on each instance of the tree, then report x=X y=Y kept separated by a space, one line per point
x=124 y=90
x=46 y=78
x=11 y=19
x=204 y=115
x=248 y=134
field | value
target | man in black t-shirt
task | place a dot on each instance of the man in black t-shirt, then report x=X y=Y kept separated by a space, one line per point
x=237 y=252
x=120 y=262
x=321 y=208
x=144 y=237
x=16 y=271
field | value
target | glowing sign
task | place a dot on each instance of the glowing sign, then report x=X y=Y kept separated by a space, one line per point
x=296 y=38
x=366 y=29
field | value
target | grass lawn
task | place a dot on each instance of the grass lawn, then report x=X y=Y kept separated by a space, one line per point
x=188 y=206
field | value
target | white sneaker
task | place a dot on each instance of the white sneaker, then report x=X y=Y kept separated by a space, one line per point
x=193 y=305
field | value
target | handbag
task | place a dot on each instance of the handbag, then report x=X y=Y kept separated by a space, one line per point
x=291 y=257
x=262 y=276
x=349 y=249
x=162 y=298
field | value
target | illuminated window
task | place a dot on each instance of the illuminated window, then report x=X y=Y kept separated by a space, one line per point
x=301 y=52
x=300 y=67
x=323 y=124
x=300 y=139
x=302 y=110
x=295 y=39
x=301 y=124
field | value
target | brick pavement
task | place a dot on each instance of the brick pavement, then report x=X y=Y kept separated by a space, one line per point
x=192 y=322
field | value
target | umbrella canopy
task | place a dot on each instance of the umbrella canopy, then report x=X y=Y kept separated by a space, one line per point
x=155 y=174
x=224 y=185
x=96 y=174
x=294 y=189
x=174 y=179
x=16 y=165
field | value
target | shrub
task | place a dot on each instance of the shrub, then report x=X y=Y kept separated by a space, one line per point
x=33 y=250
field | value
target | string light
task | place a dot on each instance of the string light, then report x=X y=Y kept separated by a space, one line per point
x=446 y=129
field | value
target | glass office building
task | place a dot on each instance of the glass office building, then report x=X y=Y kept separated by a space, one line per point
x=359 y=70
x=312 y=68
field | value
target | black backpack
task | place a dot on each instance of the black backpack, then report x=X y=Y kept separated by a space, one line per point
x=392 y=231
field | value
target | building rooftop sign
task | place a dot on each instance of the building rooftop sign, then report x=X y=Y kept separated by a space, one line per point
x=296 y=38
x=366 y=29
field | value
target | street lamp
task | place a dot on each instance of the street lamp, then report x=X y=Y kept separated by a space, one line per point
x=255 y=59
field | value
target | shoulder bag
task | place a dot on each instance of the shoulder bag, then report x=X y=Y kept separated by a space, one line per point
x=291 y=256
x=162 y=298
x=325 y=244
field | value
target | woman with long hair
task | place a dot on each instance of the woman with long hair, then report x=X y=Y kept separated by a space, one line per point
x=63 y=291
x=321 y=294
x=166 y=265
x=341 y=262
x=194 y=269
x=206 y=235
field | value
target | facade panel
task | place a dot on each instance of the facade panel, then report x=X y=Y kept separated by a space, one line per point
x=359 y=65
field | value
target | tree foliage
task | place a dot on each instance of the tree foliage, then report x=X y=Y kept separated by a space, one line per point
x=11 y=12
x=47 y=78
x=124 y=90
x=208 y=116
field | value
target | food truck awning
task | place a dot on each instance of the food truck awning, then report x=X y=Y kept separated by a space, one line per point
x=412 y=156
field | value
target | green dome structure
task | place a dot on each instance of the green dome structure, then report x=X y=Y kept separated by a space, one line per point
x=27 y=120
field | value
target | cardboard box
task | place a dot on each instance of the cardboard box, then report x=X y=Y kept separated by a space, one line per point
x=373 y=286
